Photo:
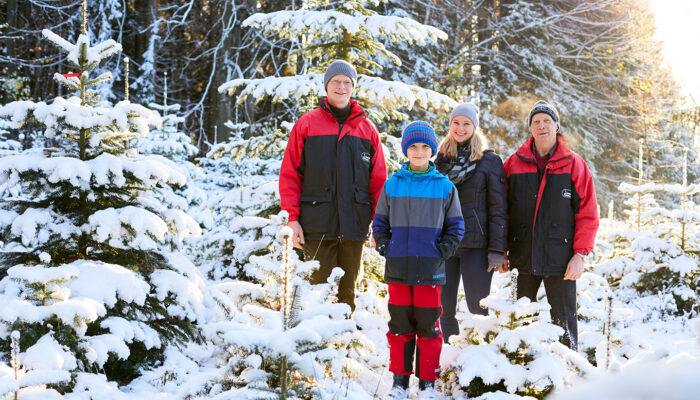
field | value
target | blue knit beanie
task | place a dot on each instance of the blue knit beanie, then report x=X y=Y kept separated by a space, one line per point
x=418 y=132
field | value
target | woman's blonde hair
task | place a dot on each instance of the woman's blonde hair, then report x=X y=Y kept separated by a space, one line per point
x=478 y=144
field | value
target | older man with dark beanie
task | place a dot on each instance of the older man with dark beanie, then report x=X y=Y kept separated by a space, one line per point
x=553 y=218
x=330 y=180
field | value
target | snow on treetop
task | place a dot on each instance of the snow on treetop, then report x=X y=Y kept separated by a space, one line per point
x=133 y=330
x=522 y=307
x=109 y=225
x=72 y=312
x=43 y=377
x=656 y=187
x=532 y=336
x=293 y=24
x=492 y=366
x=105 y=169
x=39 y=274
x=106 y=282
x=70 y=112
x=165 y=108
x=285 y=232
x=371 y=89
x=94 y=54
x=48 y=354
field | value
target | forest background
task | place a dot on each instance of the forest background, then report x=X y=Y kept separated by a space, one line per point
x=597 y=61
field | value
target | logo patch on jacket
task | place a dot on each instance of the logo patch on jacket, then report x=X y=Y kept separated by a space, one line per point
x=366 y=157
x=566 y=193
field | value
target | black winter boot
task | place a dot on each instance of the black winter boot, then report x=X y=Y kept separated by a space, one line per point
x=401 y=381
x=423 y=384
x=427 y=390
x=399 y=389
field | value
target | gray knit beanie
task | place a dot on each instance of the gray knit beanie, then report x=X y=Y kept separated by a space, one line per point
x=543 y=107
x=340 y=67
x=468 y=110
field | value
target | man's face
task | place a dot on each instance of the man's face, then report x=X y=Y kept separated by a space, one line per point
x=544 y=131
x=338 y=90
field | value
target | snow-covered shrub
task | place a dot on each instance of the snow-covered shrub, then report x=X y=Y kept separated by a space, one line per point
x=284 y=336
x=510 y=351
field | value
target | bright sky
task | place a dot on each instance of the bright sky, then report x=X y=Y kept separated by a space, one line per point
x=678 y=26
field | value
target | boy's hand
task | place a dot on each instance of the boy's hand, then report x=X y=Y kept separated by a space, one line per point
x=381 y=246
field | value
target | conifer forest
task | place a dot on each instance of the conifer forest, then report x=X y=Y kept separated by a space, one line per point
x=144 y=251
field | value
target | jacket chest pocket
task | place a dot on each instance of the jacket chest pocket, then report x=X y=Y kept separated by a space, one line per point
x=315 y=211
x=559 y=245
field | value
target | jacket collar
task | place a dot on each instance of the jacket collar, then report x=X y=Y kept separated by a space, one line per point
x=431 y=173
x=563 y=151
x=355 y=109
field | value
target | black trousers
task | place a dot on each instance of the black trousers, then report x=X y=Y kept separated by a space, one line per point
x=471 y=265
x=561 y=295
x=346 y=254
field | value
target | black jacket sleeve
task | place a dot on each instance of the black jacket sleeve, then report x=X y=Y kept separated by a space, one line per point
x=496 y=203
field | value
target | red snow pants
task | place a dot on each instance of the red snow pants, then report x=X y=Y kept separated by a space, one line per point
x=415 y=312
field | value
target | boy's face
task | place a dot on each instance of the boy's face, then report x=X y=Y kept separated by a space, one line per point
x=419 y=156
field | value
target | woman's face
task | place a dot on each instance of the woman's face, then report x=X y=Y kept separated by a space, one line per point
x=461 y=128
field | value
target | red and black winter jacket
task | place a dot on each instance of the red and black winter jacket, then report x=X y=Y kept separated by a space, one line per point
x=332 y=174
x=551 y=218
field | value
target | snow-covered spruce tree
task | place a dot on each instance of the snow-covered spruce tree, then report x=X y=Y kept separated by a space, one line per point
x=84 y=257
x=284 y=339
x=169 y=140
x=243 y=203
x=325 y=30
x=646 y=252
x=510 y=351
x=600 y=320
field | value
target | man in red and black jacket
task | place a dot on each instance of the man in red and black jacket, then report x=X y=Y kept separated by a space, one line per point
x=552 y=218
x=330 y=180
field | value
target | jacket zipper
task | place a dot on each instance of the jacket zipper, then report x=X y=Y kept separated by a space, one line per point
x=340 y=130
x=478 y=223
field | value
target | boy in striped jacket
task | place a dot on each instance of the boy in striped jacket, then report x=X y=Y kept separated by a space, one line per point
x=417 y=225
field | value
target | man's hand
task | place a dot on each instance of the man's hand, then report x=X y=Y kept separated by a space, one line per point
x=575 y=268
x=297 y=233
x=505 y=267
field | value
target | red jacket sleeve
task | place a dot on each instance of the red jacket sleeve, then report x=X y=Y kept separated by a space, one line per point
x=290 y=178
x=587 y=216
x=378 y=172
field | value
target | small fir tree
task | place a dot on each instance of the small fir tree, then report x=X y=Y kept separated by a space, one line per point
x=510 y=351
x=85 y=257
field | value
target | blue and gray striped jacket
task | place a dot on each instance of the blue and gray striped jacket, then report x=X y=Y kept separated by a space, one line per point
x=417 y=225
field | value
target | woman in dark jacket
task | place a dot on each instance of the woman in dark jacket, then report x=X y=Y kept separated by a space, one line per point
x=480 y=180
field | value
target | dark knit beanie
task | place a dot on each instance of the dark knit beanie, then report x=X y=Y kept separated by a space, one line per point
x=340 y=67
x=468 y=110
x=418 y=132
x=543 y=107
